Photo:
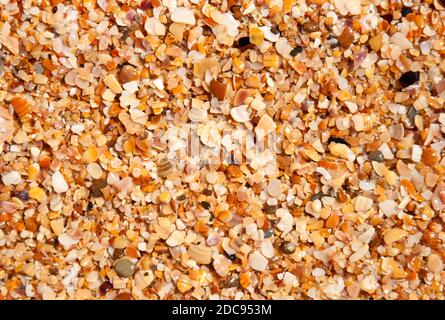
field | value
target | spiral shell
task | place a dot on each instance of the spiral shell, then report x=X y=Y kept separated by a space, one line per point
x=21 y=106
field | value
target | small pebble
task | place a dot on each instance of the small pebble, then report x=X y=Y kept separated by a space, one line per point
x=376 y=156
x=409 y=78
x=310 y=26
x=233 y=281
x=206 y=205
x=231 y=256
x=96 y=187
x=412 y=113
x=127 y=74
x=244 y=42
x=288 y=247
x=57 y=226
x=105 y=287
x=438 y=198
x=406 y=11
x=295 y=51
x=337 y=140
x=268 y=233
x=22 y=195
x=317 y=196
x=118 y=253
x=124 y=268
x=388 y=17
x=275 y=30
x=181 y=197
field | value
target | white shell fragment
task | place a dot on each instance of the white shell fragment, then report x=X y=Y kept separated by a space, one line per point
x=257 y=261
x=269 y=35
x=183 y=15
x=58 y=182
x=362 y=203
x=11 y=178
x=240 y=114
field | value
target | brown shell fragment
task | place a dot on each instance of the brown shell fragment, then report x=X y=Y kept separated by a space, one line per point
x=97 y=186
x=346 y=38
x=240 y=96
x=165 y=168
x=218 y=89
